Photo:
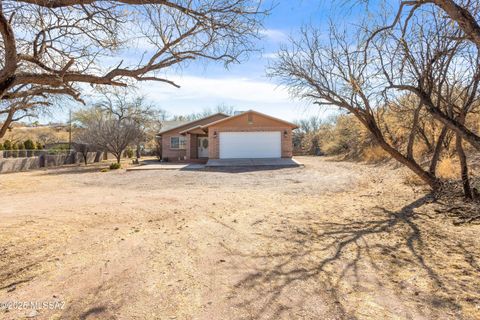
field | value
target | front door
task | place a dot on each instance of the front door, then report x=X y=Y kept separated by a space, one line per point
x=203 y=147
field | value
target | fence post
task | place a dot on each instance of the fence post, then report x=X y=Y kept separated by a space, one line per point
x=42 y=159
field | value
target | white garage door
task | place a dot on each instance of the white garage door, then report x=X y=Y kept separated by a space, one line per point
x=250 y=145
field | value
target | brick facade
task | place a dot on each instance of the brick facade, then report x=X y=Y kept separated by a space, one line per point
x=249 y=121
x=178 y=154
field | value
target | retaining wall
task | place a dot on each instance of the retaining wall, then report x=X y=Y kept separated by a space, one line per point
x=47 y=161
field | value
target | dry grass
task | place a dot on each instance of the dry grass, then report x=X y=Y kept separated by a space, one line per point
x=375 y=154
x=448 y=168
x=334 y=240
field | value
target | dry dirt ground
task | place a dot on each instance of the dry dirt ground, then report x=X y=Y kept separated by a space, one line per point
x=333 y=240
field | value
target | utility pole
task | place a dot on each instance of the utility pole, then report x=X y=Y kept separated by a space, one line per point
x=70 y=130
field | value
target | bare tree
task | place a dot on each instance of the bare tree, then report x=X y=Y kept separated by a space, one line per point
x=15 y=110
x=114 y=124
x=464 y=31
x=464 y=13
x=433 y=62
x=337 y=72
x=50 y=47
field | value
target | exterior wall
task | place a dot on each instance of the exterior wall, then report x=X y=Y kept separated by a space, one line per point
x=167 y=152
x=242 y=124
x=176 y=155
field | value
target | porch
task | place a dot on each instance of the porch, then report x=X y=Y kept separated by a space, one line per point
x=196 y=144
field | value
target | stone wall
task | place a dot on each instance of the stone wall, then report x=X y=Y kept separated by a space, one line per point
x=45 y=160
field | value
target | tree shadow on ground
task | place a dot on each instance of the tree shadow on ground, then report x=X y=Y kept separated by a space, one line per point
x=246 y=169
x=381 y=256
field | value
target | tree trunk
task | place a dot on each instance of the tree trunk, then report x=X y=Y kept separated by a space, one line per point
x=7 y=122
x=426 y=176
x=119 y=157
x=466 y=21
x=413 y=132
x=467 y=190
x=454 y=125
x=437 y=151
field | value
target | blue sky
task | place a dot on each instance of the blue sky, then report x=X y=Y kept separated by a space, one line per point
x=246 y=86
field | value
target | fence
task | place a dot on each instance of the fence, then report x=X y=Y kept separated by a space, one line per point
x=22 y=160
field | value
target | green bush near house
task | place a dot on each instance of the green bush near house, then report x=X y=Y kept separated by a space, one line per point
x=129 y=153
x=115 y=166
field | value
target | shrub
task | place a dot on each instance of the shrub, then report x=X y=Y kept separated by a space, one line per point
x=104 y=170
x=115 y=166
x=7 y=145
x=448 y=168
x=1 y=146
x=21 y=150
x=375 y=154
x=29 y=145
x=129 y=152
x=14 y=149
x=39 y=146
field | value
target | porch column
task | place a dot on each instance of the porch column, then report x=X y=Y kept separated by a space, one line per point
x=194 y=146
x=188 y=146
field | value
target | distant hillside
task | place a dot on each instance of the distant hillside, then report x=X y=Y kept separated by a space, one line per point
x=45 y=134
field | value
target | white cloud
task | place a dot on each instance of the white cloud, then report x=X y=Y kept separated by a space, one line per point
x=202 y=88
x=270 y=55
x=274 y=35
x=197 y=93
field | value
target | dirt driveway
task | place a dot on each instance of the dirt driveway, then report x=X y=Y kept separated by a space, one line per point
x=333 y=240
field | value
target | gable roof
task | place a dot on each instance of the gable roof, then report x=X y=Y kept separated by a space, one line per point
x=170 y=124
x=190 y=124
x=294 y=126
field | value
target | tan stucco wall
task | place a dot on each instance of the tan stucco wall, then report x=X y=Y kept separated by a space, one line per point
x=241 y=124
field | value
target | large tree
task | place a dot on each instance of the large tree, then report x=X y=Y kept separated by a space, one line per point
x=53 y=47
x=336 y=71
x=118 y=121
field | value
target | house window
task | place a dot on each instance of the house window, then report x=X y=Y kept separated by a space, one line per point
x=178 y=143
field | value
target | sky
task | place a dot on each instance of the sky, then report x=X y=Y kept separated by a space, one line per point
x=245 y=86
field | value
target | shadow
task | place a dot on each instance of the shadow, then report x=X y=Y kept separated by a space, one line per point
x=92 y=312
x=74 y=169
x=376 y=255
x=246 y=169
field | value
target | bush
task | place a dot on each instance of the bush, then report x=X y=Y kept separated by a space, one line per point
x=21 y=150
x=1 y=146
x=115 y=166
x=7 y=145
x=375 y=154
x=448 y=168
x=14 y=149
x=29 y=145
x=39 y=146
x=129 y=153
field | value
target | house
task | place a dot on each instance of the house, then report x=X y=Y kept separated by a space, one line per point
x=248 y=134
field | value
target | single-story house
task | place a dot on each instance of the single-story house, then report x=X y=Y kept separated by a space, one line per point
x=248 y=134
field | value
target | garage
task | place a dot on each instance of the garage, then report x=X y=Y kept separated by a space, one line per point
x=254 y=144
